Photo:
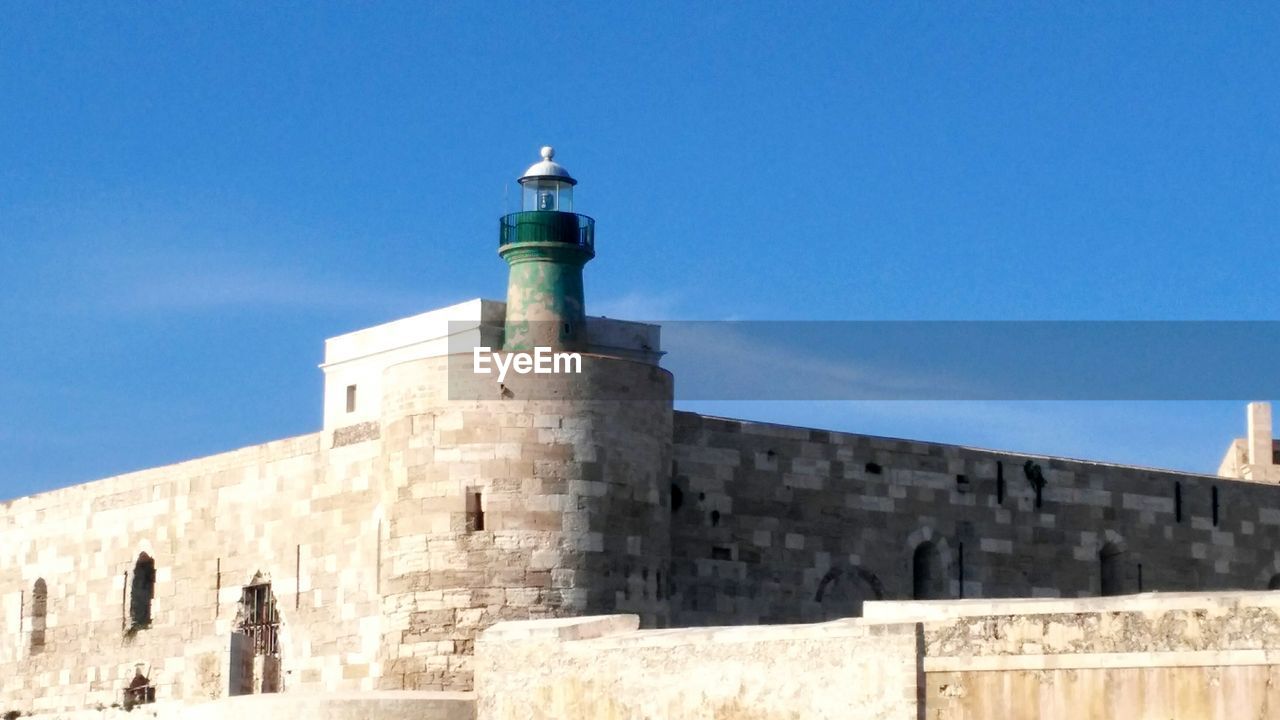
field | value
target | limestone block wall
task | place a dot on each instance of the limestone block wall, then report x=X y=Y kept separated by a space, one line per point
x=776 y=524
x=529 y=499
x=210 y=526
x=1151 y=656
x=602 y=667
x=1184 y=655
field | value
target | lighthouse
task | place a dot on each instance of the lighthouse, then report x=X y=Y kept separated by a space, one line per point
x=546 y=245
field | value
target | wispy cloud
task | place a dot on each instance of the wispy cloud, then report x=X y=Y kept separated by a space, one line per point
x=218 y=255
x=154 y=281
x=248 y=287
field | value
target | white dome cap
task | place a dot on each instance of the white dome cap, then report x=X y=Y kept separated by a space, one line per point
x=548 y=168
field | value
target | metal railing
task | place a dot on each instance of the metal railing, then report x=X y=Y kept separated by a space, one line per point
x=548 y=226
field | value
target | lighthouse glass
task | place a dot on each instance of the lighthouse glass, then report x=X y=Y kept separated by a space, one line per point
x=547 y=194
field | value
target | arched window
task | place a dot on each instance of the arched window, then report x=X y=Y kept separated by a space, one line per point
x=142 y=590
x=927 y=582
x=39 y=613
x=258 y=616
x=842 y=591
x=259 y=619
x=1111 y=568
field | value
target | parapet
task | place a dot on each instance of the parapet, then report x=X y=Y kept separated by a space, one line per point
x=598 y=667
x=1059 y=659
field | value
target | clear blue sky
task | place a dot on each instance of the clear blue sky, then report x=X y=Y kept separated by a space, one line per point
x=194 y=195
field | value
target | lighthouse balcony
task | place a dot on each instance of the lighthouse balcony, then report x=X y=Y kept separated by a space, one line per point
x=548 y=226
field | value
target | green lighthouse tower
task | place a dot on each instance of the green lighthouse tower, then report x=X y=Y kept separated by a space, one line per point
x=546 y=244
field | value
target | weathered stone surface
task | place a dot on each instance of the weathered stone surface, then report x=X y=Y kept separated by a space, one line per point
x=603 y=668
x=1191 y=655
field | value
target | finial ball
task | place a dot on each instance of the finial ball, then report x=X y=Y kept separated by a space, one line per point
x=548 y=152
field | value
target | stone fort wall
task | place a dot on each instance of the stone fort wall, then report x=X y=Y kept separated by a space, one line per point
x=775 y=524
x=383 y=580
x=288 y=512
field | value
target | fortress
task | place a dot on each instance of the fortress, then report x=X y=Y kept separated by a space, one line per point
x=370 y=555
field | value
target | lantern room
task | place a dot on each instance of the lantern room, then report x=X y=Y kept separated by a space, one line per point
x=547 y=185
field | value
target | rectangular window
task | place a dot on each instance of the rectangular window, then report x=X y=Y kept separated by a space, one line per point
x=999 y=483
x=1177 y=501
x=351 y=398
x=475 y=512
x=1215 y=507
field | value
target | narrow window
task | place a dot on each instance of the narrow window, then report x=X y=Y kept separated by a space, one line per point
x=1035 y=475
x=475 y=512
x=1139 y=577
x=962 y=483
x=1215 y=506
x=1177 y=501
x=351 y=398
x=960 y=563
x=259 y=618
x=999 y=483
x=39 y=614
x=1111 y=568
x=217 y=588
x=141 y=591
